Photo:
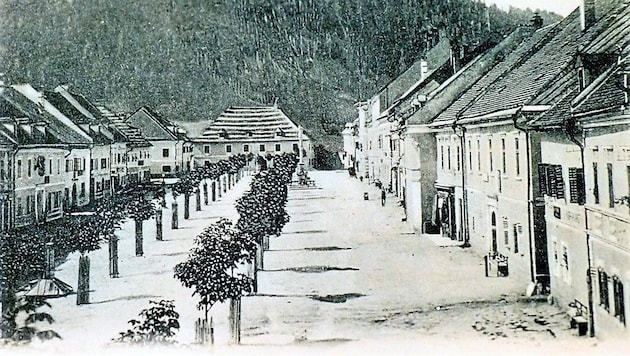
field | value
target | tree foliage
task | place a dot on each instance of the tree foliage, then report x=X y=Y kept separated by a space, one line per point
x=210 y=268
x=23 y=319
x=157 y=325
x=191 y=59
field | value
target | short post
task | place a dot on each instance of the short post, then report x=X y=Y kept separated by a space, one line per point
x=197 y=200
x=174 y=222
x=83 y=286
x=186 y=206
x=158 y=224
x=113 y=256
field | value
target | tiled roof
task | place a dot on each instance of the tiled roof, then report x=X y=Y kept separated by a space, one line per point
x=523 y=82
x=506 y=61
x=56 y=132
x=122 y=130
x=616 y=34
x=251 y=124
x=154 y=126
x=604 y=93
x=559 y=111
x=411 y=77
x=451 y=89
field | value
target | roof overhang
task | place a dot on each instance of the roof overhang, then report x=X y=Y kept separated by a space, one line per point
x=502 y=114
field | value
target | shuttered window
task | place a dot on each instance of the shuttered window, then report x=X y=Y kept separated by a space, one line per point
x=620 y=306
x=611 y=187
x=603 y=289
x=576 y=185
x=595 y=183
x=550 y=180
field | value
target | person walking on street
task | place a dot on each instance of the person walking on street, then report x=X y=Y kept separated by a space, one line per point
x=383 y=197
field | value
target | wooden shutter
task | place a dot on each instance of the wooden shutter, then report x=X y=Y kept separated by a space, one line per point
x=542 y=179
x=559 y=182
x=576 y=185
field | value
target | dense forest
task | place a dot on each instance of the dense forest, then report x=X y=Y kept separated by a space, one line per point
x=189 y=59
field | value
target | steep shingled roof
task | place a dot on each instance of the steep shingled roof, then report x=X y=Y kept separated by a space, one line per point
x=506 y=62
x=604 y=94
x=616 y=34
x=131 y=135
x=523 y=82
x=451 y=89
x=251 y=124
x=556 y=115
x=154 y=126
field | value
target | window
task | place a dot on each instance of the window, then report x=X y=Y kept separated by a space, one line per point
x=20 y=208
x=262 y=148
x=442 y=156
x=479 y=155
x=19 y=168
x=206 y=149
x=550 y=180
x=140 y=162
x=166 y=169
x=611 y=188
x=68 y=165
x=602 y=277
x=565 y=262
x=459 y=164
x=30 y=167
x=296 y=149
x=595 y=183
x=620 y=306
x=59 y=166
x=278 y=147
x=245 y=148
x=469 y=156
x=82 y=190
x=228 y=148
x=165 y=152
x=50 y=162
x=576 y=185
x=103 y=163
x=490 y=154
x=503 y=162
x=448 y=155
x=515 y=231
x=517 y=153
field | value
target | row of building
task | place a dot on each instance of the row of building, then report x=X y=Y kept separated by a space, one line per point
x=520 y=150
x=60 y=151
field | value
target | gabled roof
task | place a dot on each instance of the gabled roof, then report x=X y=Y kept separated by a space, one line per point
x=251 y=124
x=121 y=129
x=59 y=125
x=557 y=113
x=24 y=114
x=154 y=126
x=616 y=34
x=604 y=94
x=413 y=77
x=505 y=61
x=449 y=91
x=520 y=84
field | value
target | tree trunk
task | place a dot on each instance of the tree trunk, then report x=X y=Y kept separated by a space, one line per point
x=214 y=190
x=83 y=286
x=229 y=180
x=158 y=224
x=224 y=185
x=219 y=186
x=186 y=206
x=139 y=251
x=235 y=320
x=265 y=243
x=113 y=256
x=197 y=200
x=174 y=222
x=8 y=303
x=205 y=193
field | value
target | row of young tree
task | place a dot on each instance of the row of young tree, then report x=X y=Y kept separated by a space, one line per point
x=23 y=255
x=216 y=265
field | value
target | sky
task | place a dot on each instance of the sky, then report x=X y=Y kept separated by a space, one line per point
x=561 y=7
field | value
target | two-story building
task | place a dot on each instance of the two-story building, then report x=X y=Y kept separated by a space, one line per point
x=171 y=151
x=258 y=130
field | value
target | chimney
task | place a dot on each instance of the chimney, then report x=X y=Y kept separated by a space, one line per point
x=537 y=21
x=587 y=14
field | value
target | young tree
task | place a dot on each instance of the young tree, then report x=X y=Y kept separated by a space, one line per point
x=25 y=312
x=21 y=254
x=158 y=325
x=140 y=209
x=211 y=265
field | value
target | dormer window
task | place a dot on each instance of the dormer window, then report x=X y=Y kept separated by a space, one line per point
x=582 y=78
x=223 y=133
x=279 y=132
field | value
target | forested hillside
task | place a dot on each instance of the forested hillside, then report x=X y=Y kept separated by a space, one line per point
x=189 y=59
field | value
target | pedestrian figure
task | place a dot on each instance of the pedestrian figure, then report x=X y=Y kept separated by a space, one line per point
x=383 y=197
